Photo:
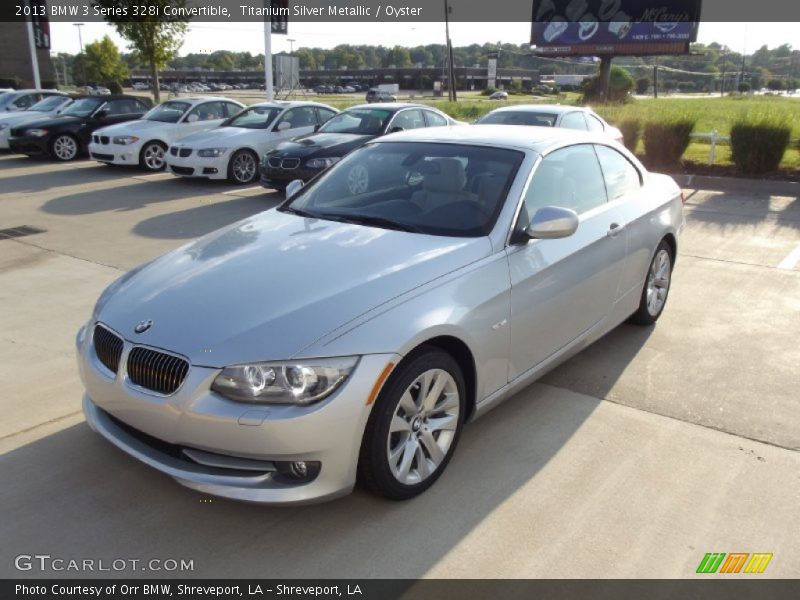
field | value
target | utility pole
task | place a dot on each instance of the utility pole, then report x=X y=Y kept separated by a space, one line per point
x=34 y=59
x=268 y=59
x=655 y=77
x=291 y=45
x=722 y=83
x=83 y=58
x=451 y=73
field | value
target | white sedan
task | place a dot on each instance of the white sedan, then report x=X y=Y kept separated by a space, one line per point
x=232 y=150
x=49 y=107
x=144 y=142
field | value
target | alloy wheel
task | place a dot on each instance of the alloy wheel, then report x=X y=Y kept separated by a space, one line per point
x=423 y=426
x=244 y=167
x=154 y=157
x=658 y=280
x=65 y=147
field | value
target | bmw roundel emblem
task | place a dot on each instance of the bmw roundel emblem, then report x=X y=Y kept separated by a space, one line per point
x=143 y=326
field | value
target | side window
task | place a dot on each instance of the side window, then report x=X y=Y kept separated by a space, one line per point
x=302 y=116
x=120 y=106
x=620 y=175
x=139 y=107
x=434 y=119
x=208 y=111
x=26 y=101
x=324 y=114
x=594 y=123
x=573 y=120
x=231 y=109
x=569 y=178
x=408 y=119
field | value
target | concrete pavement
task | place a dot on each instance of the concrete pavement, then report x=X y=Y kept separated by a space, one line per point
x=633 y=459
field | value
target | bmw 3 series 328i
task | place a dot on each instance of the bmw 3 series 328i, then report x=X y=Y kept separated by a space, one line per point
x=348 y=336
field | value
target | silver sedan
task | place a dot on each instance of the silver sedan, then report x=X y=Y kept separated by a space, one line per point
x=349 y=335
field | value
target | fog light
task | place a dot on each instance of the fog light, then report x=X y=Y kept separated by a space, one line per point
x=299 y=471
x=209 y=171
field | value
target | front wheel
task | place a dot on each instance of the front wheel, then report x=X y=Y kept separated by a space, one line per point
x=65 y=147
x=656 y=287
x=243 y=167
x=414 y=427
x=153 y=156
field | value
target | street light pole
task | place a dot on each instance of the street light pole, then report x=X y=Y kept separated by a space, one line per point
x=34 y=59
x=451 y=73
x=83 y=58
x=291 y=45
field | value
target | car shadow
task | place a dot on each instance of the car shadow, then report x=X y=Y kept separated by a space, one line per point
x=75 y=495
x=198 y=221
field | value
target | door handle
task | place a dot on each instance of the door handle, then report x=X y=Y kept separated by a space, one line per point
x=614 y=229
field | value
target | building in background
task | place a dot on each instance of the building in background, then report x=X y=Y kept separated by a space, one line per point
x=15 y=60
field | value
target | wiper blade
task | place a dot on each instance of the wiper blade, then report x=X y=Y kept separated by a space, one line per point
x=373 y=220
x=299 y=212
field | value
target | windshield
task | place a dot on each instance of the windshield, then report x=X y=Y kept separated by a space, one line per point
x=8 y=98
x=169 y=112
x=82 y=108
x=364 y=121
x=518 y=117
x=435 y=189
x=48 y=104
x=257 y=117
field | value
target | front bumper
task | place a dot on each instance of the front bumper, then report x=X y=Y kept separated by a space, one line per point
x=115 y=154
x=196 y=166
x=32 y=146
x=156 y=429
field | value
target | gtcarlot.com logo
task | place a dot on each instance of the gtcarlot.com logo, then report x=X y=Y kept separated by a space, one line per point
x=46 y=562
x=735 y=562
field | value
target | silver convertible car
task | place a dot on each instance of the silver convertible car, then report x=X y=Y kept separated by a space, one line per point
x=349 y=336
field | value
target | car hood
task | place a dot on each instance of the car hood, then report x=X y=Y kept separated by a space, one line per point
x=269 y=286
x=54 y=121
x=333 y=144
x=222 y=134
x=137 y=126
x=12 y=119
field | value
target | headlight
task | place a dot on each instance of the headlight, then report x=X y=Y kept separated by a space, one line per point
x=295 y=382
x=37 y=132
x=124 y=140
x=211 y=152
x=322 y=163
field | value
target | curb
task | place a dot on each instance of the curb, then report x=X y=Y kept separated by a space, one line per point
x=738 y=184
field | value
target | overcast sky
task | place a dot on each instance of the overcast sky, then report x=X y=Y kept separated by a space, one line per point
x=241 y=37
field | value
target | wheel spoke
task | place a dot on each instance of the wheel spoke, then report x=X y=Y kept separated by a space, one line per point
x=409 y=451
x=445 y=423
x=407 y=403
x=423 y=468
x=399 y=424
x=439 y=381
x=436 y=454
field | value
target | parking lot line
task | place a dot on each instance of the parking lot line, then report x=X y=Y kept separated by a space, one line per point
x=239 y=191
x=791 y=259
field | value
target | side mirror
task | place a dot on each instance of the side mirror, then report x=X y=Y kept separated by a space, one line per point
x=102 y=114
x=283 y=126
x=552 y=222
x=395 y=129
x=193 y=118
x=294 y=186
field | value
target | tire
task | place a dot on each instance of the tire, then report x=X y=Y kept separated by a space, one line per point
x=153 y=157
x=656 y=286
x=243 y=167
x=65 y=147
x=398 y=428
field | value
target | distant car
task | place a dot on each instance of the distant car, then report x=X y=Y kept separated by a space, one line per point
x=306 y=156
x=349 y=89
x=376 y=95
x=144 y=142
x=231 y=151
x=499 y=96
x=23 y=99
x=551 y=115
x=140 y=86
x=66 y=135
x=48 y=107
x=102 y=91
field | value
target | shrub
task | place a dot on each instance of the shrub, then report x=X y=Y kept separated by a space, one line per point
x=665 y=141
x=642 y=85
x=631 y=129
x=758 y=144
x=743 y=87
x=489 y=91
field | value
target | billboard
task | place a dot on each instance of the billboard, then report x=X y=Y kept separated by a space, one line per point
x=605 y=27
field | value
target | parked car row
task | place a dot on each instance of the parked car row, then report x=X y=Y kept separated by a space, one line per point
x=215 y=137
x=341 y=89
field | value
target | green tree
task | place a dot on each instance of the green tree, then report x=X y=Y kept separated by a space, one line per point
x=620 y=86
x=642 y=85
x=104 y=63
x=775 y=84
x=155 y=39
